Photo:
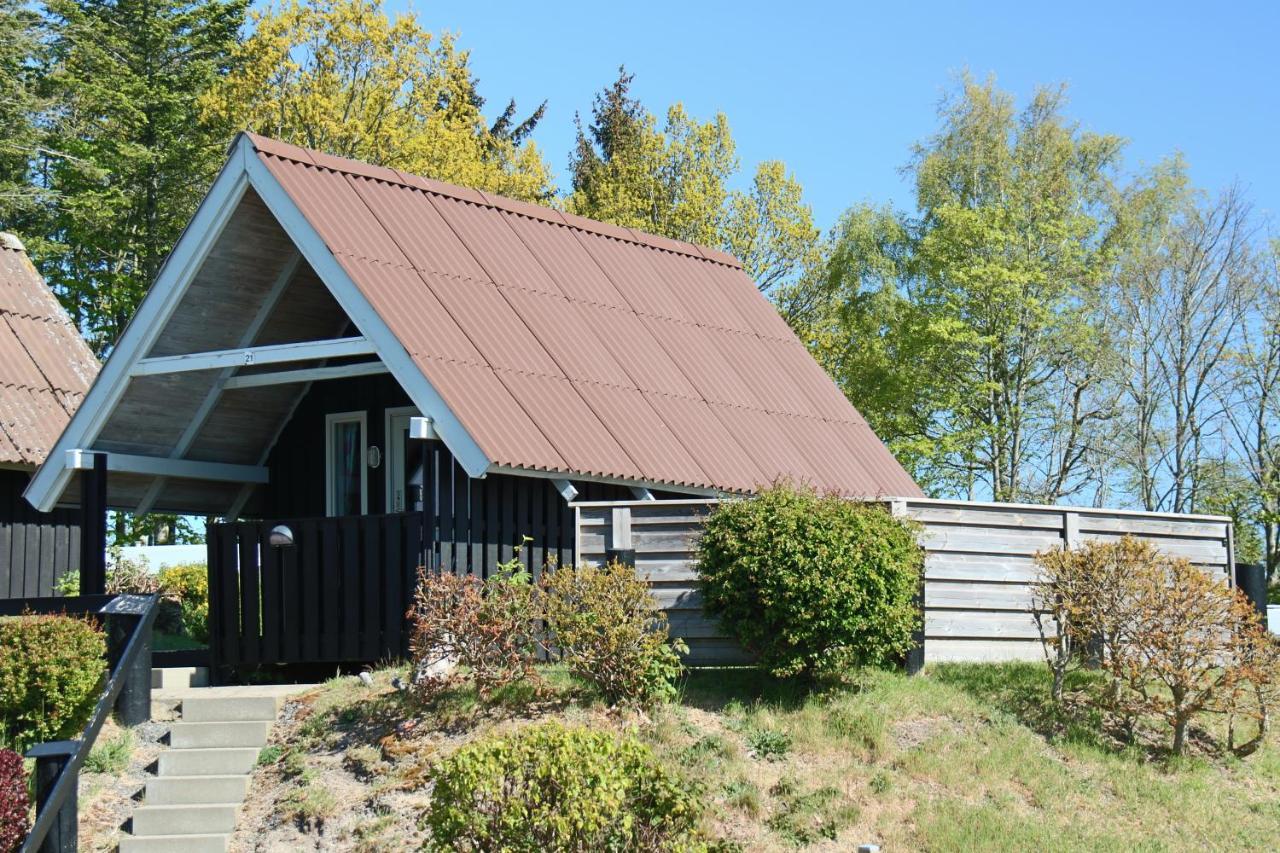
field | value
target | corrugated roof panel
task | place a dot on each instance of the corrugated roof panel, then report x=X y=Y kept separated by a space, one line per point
x=411 y=310
x=737 y=289
x=637 y=351
x=644 y=435
x=418 y=229
x=8 y=450
x=574 y=347
x=567 y=261
x=794 y=361
x=17 y=296
x=570 y=425
x=817 y=440
x=491 y=415
x=697 y=293
x=698 y=359
x=771 y=450
x=19 y=369
x=491 y=324
x=485 y=233
x=726 y=464
x=628 y=268
x=887 y=476
x=67 y=368
x=33 y=419
x=759 y=371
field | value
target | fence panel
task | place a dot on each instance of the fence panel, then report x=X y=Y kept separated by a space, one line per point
x=979 y=563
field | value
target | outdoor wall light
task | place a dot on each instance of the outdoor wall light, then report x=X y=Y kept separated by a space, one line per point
x=281 y=536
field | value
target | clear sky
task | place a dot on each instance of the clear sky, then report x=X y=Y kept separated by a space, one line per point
x=839 y=91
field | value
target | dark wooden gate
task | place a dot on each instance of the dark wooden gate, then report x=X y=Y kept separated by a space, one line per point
x=338 y=594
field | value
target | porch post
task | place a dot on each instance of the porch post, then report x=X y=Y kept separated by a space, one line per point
x=93 y=527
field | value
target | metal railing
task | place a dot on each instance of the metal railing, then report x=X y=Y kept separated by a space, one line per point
x=128 y=621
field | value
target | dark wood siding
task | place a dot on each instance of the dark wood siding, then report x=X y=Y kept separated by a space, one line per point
x=35 y=548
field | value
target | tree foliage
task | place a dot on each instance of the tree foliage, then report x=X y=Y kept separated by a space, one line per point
x=676 y=182
x=343 y=77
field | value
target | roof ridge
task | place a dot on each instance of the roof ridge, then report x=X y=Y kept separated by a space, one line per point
x=307 y=156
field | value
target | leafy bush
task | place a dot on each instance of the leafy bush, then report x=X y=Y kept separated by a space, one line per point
x=188 y=586
x=50 y=671
x=549 y=787
x=14 y=801
x=811 y=583
x=1174 y=641
x=489 y=626
x=609 y=630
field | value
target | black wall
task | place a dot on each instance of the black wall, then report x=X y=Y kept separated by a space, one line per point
x=35 y=548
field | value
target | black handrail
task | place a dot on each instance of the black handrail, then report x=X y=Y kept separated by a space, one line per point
x=70 y=755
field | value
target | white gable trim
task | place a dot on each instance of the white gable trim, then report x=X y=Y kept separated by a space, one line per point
x=243 y=170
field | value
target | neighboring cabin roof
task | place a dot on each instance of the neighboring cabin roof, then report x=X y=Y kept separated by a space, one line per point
x=569 y=345
x=45 y=366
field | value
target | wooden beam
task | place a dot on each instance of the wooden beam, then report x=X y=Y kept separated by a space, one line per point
x=312 y=374
x=272 y=354
x=251 y=331
x=642 y=494
x=160 y=466
x=565 y=488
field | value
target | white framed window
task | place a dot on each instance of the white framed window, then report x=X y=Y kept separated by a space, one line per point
x=346 y=449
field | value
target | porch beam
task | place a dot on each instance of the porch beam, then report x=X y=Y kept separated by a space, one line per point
x=313 y=374
x=271 y=354
x=160 y=466
x=565 y=488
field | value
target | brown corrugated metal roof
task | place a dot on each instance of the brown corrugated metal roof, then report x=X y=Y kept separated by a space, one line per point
x=567 y=345
x=45 y=366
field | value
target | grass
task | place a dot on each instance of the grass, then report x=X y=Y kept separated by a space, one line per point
x=162 y=641
x=110 y=755
x=963 y=757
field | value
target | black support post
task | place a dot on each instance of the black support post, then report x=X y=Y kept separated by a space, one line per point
x=624 y=556
x=93 y=527
x=1251 y=578
x=50 y=758
x=133 y=705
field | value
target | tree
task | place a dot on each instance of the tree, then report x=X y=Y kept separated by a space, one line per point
x=343 y=77
x=675 y=182
x=993 y=291
x=134 y=157
x=20 y=51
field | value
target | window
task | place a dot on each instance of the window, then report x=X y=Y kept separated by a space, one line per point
x=346 y=447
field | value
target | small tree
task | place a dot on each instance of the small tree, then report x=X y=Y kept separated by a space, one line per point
x=811 y=583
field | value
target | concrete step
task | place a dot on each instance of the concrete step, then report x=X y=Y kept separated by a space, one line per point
x=184 y=819
x=226 y=709
x=182 y=790
x=212 y=843
x=207 y=762
x=184 y=735
x=179 y=677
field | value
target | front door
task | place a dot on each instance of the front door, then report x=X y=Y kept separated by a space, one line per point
x=404 y=465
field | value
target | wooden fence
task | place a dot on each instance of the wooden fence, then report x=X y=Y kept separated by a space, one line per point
x=979 y=562
x=36 y=548
x=338 y=594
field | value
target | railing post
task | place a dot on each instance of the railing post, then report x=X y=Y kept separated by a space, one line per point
x=133 y=705
x=50 y=758
x=93 y=527
x=620 y=549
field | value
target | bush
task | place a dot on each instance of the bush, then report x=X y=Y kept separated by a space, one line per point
x=811 y=583
x=1174 y=641
x=51 y=668
x=14 y=802
x=610 y=632
x=549 y=788
x=188 y=586
x=489 y=626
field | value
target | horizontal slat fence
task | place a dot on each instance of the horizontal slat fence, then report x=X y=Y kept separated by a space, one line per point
x=979 y=564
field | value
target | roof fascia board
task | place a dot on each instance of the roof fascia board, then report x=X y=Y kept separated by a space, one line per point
x=250 y=356
x=612 y=481
x=188 y=254
x=423 y=394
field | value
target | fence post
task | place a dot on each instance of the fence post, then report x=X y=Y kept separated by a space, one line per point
x=1251 y=578
x=133 y=705
x=50 y=758
x=620 y=548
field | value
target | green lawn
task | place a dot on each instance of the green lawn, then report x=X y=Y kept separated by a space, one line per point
x=962 y=757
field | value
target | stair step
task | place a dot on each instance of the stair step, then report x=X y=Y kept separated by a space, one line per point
x=183 y=790
x=210 y=843
x=184 y=735
x=225 y=761
x=179 y=677
x=189 y=819
x=226 y=709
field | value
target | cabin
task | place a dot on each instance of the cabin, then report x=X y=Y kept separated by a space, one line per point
x=45 y=370
x=359 y=371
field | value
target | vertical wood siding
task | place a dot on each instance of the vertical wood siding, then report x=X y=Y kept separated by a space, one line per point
x=979 y=564
x=36 y=548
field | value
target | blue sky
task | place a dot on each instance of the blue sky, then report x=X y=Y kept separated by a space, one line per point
x=840 y=91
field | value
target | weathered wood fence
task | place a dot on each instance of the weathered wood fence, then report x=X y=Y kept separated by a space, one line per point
x=979 y=564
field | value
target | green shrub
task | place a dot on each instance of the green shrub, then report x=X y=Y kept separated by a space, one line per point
x=550 y=788
x=609 y=630
x=811 y=583
x=51 y=668
x=188 y=586
x=14 y=801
